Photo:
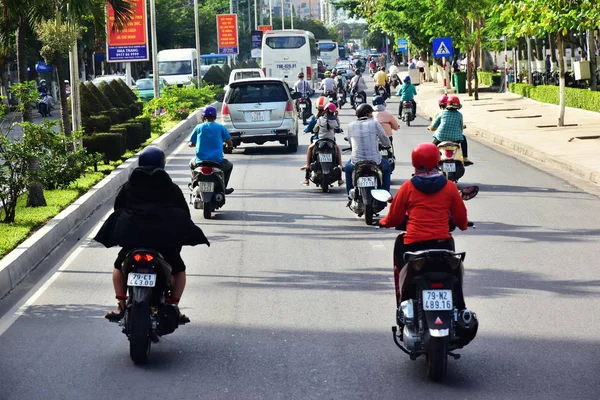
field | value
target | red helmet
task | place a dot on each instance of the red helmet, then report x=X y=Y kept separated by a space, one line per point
x=321 y=102
x=331 y=108
x=453 y=102
x=425 y=156
x=443 y=101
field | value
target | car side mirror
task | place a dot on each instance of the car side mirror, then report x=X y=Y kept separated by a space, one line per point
x=296 y=95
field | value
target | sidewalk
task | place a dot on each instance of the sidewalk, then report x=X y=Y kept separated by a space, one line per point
x=524 y=126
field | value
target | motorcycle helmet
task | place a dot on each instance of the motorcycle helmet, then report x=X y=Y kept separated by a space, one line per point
x=331 y=108
x=407 y=79
x=381 y=69
x=152 y=156
x=209 y=112
x=377 y=100
x=300 y=75
x=327 y=74
x=321 y=102
x=443 y=101
x=453 y=103
x=425 y=156
x=363 y=110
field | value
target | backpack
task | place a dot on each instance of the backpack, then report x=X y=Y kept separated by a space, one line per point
x=339 y=83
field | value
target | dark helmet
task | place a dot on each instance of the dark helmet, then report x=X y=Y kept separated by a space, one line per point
x=152 y=156
x=407 y=79
x=381 y=69
x=363 y=110
x=377 y=100
x=209 y=111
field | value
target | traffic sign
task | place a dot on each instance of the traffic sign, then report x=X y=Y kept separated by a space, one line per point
x=442 y=47
x=402 y=44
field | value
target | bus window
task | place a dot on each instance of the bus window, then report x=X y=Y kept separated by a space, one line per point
x=285 y=42
x=327 y=47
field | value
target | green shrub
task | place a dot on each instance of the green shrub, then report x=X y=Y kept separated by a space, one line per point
x=110 y=145
x=489 y=78
x=134 y=110
x=253 y=64
x=123 y=96
x=111 y=95
x=88 y=102
x=113 y=114
x=123 y=113
x=216 y=76
x=93 y=89
x=576 y=98
x=227 y=71
x=146 y=126
x=130 y=93
x=96 y=123
x=133 y=134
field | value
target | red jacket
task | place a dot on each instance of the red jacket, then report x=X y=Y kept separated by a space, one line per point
x=428 y=201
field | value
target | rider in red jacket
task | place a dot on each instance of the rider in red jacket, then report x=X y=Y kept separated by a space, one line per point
x=428 y=200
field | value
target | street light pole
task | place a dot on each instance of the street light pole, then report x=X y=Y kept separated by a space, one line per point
x=271 y=13
x=197 y=28
x=155 y=76
x=255 y=15
x=282 y=16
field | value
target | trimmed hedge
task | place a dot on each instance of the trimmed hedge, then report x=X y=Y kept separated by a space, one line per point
x=128 y=90
x=99 y=95
x=216 y=76
x=111 y=95
x=146 y=127
x=489 y=78
x=96 y=123
x=133 y=134
x=123 y=113
x=88 y=102
x=123 y=96
x=110 y=145
x=576 y=98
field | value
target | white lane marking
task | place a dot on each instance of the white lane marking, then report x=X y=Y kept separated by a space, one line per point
x=19 y=309
x=377 y=245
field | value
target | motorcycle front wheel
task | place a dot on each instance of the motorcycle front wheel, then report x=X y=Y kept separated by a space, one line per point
x=139 y=332
x=437 y=358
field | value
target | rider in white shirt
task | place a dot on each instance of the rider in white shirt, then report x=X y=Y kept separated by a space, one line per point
x=303 y=87
x=357 y=85
x=327 y=84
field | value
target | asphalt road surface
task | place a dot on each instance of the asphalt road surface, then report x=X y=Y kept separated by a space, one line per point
x=294 y=298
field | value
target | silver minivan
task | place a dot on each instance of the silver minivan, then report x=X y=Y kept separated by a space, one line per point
x=260 y=110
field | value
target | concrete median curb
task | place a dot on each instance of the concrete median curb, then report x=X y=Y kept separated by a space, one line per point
x=17 y=264
x=486 y=136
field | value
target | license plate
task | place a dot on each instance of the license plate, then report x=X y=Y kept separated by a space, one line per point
x=449 y=167
x=302 y=105
x=366 y=181
x=325 y=157
x=206 y=186
x=437 y=300
x=258 y=116
x=143 y=280
x=359 y=100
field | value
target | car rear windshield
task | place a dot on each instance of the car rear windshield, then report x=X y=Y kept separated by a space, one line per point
x=247 y=75
x=285 y=42
x=257 y=93
x=144 y=85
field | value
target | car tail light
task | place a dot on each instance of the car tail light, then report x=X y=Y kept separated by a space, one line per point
x=437 y=285
x=205 y=170
x=225 y=116
x=265 y=71
x=289 y=109
x=143 y=257
x=309 y=73
x=449 y=153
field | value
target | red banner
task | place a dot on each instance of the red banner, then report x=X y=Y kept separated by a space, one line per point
x=265 y=28
x=227 y=34
x=130 y=43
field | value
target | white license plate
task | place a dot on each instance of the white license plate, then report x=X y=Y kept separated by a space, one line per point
x=206 y=186
x=359 y=100
x=258 y=116
x=144 y=280
x=325 y=157
x=449 y=167
x=437 y=300
x=366 y=181
x=302 y=105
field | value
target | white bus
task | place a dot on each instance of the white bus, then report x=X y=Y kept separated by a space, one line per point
x=178 y=66
x=286 y=53
x=329 y=52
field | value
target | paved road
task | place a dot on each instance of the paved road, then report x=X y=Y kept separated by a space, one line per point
x=294 y=300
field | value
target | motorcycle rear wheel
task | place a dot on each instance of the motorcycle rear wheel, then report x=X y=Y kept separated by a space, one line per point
x=207 y=211
x=324 y=185
x=437 y=358
x=369 y=214
x=139 y=332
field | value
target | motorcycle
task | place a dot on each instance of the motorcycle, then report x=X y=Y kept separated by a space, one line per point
x=388 y=154
x=366 y=197
x=432 y=319
x=324 y=168
x=359 y=98
x=331 y=96
x=372 y=71
x=303 y=110
x=341 y=97
x=207 y=188
x=147 y=314
x=451 y=160
x=407 y=112
x=382 y=92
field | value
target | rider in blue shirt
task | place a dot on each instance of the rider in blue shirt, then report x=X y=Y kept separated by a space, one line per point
x=208 y=138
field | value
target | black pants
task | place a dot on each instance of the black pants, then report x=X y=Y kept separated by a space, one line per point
x=225 y=165
x=463 y=145
x=414 y=108
x=400 y=248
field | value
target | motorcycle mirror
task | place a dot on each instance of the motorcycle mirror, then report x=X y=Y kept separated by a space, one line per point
x=381 y=195
x=467 y=193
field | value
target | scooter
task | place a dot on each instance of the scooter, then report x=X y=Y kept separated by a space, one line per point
x=451 y=160
x=303 y=110
x=407 y=112
x=324 y=168
x=207 y=188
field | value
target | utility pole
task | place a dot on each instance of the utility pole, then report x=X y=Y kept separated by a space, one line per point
x=255 y=15
x=282 y=16
x=271 y=13
x=155 y=76
x=197 y=28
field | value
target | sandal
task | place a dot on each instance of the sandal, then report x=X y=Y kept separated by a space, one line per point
x=305 y=182
x=115 y=317
x=341 y=182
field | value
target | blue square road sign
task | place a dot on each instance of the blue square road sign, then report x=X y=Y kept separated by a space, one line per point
x=442 y=47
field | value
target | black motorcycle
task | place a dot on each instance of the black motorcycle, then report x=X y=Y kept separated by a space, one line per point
x=208 y=188
x=147 y=315
x=332 y=97
x=388 y=154
x=303 y=109
x=324 y=168
x=367 y=198
x=359 y=98
x=407 y=112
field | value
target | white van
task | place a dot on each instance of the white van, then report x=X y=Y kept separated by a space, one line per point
x=178 y=66
x=286 y=53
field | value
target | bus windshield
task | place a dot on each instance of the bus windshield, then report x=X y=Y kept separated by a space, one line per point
x=212 y=60
x=174 y=67
x=327 y=46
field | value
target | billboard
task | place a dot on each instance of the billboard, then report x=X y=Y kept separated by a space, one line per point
x=130 y=43
x=227 y=34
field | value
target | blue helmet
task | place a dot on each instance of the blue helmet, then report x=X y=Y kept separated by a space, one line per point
x=377 y=100
x=152 y=156
x=209 y=111
x=407 y=79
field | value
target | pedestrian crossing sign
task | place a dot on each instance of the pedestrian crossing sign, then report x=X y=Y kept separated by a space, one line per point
x=442 y=47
